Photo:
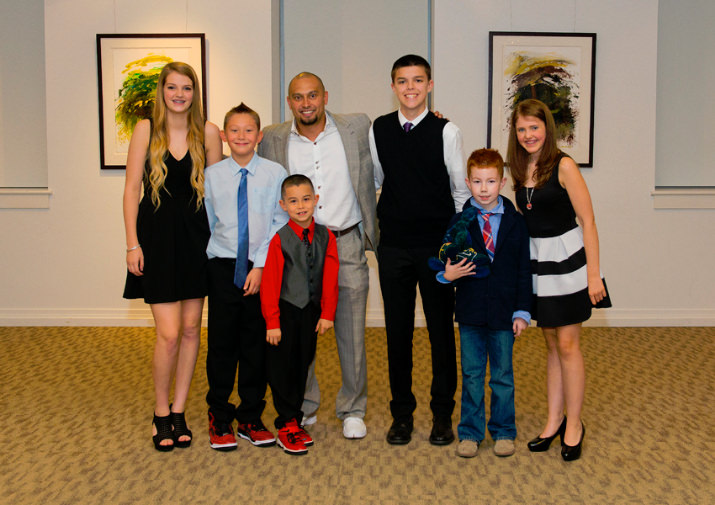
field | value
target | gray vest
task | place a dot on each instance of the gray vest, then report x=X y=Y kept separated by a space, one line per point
x=303 y=283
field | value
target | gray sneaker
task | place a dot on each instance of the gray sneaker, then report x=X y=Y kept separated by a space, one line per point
x=467 y=448
x=504 y=447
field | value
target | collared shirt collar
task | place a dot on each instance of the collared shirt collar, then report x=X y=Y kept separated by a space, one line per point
x=329 y=125
x=251 y=167
x=498 y=209
x=401 y=117
x=298 y=229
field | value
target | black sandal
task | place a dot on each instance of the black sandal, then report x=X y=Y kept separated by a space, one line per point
x=163 y=432
x=178 y=420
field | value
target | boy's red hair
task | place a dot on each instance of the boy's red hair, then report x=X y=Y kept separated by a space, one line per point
x=486 y=158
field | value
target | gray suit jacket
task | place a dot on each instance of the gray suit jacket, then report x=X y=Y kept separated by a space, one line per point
x=353 y=129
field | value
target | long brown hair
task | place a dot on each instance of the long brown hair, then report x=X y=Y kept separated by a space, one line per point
x=160 y=138
x=518 y=158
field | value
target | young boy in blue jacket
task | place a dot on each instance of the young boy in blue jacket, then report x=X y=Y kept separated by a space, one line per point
x=492 y=274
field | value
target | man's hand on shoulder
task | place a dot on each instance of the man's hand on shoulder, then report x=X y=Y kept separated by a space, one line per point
x=439 y=115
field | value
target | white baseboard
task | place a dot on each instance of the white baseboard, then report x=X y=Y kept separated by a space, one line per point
x=375 y=318
x=652 y=317
x=609 y=318
x=78 y=317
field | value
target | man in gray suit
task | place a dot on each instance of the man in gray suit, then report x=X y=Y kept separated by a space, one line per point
x=334 y=152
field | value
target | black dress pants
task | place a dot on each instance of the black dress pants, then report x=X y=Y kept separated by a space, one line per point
x=236 y=342
x=401 y=270
x=288 y=362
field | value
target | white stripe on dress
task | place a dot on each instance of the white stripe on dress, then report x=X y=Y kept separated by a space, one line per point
x=559 y=285
x=557 y=248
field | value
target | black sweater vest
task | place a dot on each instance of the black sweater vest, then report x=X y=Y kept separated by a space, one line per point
x=416 y=202
x=303 y=281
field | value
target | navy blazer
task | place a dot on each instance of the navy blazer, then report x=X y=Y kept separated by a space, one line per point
x=492 y=301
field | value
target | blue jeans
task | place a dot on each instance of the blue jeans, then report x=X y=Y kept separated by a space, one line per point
x=477 y=343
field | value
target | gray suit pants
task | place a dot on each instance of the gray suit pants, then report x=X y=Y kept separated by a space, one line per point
x=353 y=286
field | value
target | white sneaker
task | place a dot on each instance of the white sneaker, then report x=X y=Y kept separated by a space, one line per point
x=310 y=420
x=354 y=427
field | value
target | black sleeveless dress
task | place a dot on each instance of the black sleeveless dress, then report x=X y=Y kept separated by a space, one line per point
x=173 y=239
x=558 y=257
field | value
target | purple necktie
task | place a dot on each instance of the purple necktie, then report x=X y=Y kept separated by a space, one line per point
x=407 y=126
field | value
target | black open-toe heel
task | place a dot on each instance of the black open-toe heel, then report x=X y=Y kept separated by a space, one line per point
x=163 y=432
x=539 y=444
x=178 y=420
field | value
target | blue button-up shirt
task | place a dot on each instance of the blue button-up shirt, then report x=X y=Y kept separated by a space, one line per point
x=265 y=215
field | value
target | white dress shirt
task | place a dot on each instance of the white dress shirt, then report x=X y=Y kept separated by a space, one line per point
x=324 y=162
x=453 y=158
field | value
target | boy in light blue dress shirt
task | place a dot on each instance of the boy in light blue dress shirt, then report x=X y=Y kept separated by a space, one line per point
x=236 y=326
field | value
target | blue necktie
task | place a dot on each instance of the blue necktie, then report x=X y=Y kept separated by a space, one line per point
x=239 y=275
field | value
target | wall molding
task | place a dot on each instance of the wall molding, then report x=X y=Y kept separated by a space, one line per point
x=375 y=318
x=25 y=198
x=683 y=198
x=78 y=317
x=615 y=318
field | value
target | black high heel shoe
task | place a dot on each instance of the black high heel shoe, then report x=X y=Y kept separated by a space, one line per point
x=539 y=444
x=163 y=432
x=573 y=452
x=178 y=421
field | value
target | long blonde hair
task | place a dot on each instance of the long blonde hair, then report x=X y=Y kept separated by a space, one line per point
x=159 y=144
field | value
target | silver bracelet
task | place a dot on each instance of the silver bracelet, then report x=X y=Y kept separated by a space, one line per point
x=135 y=247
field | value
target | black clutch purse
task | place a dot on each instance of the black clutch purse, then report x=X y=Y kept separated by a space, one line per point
x=606 y=302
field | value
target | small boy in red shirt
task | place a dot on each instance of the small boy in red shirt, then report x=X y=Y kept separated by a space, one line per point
x=299 y=295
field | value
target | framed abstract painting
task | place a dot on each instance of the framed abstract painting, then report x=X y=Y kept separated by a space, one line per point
x=128 y=68
x=556 y=68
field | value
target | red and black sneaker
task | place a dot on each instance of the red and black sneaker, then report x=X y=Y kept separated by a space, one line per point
x=256 y=433
x=290 y=438
x=221 y=435
x=305 y=436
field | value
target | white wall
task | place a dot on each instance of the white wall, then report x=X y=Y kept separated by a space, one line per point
x=685 y=151
x=65 y=265
x=354 y=47
x=653 y=279
x=23 y=157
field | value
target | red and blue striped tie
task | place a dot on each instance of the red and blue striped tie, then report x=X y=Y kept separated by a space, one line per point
x=487 y=235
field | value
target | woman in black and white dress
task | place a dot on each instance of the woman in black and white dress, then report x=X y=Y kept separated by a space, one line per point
x=567 y=282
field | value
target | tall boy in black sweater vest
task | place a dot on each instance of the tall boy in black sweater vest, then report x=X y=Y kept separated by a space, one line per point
x=419 y=164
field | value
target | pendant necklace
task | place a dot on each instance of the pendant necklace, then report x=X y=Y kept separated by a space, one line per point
x=528 y=198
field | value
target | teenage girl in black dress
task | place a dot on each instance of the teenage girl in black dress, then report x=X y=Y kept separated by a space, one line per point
x=167 y=233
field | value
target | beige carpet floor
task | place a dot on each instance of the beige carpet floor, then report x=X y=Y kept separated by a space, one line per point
x=76 y=404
